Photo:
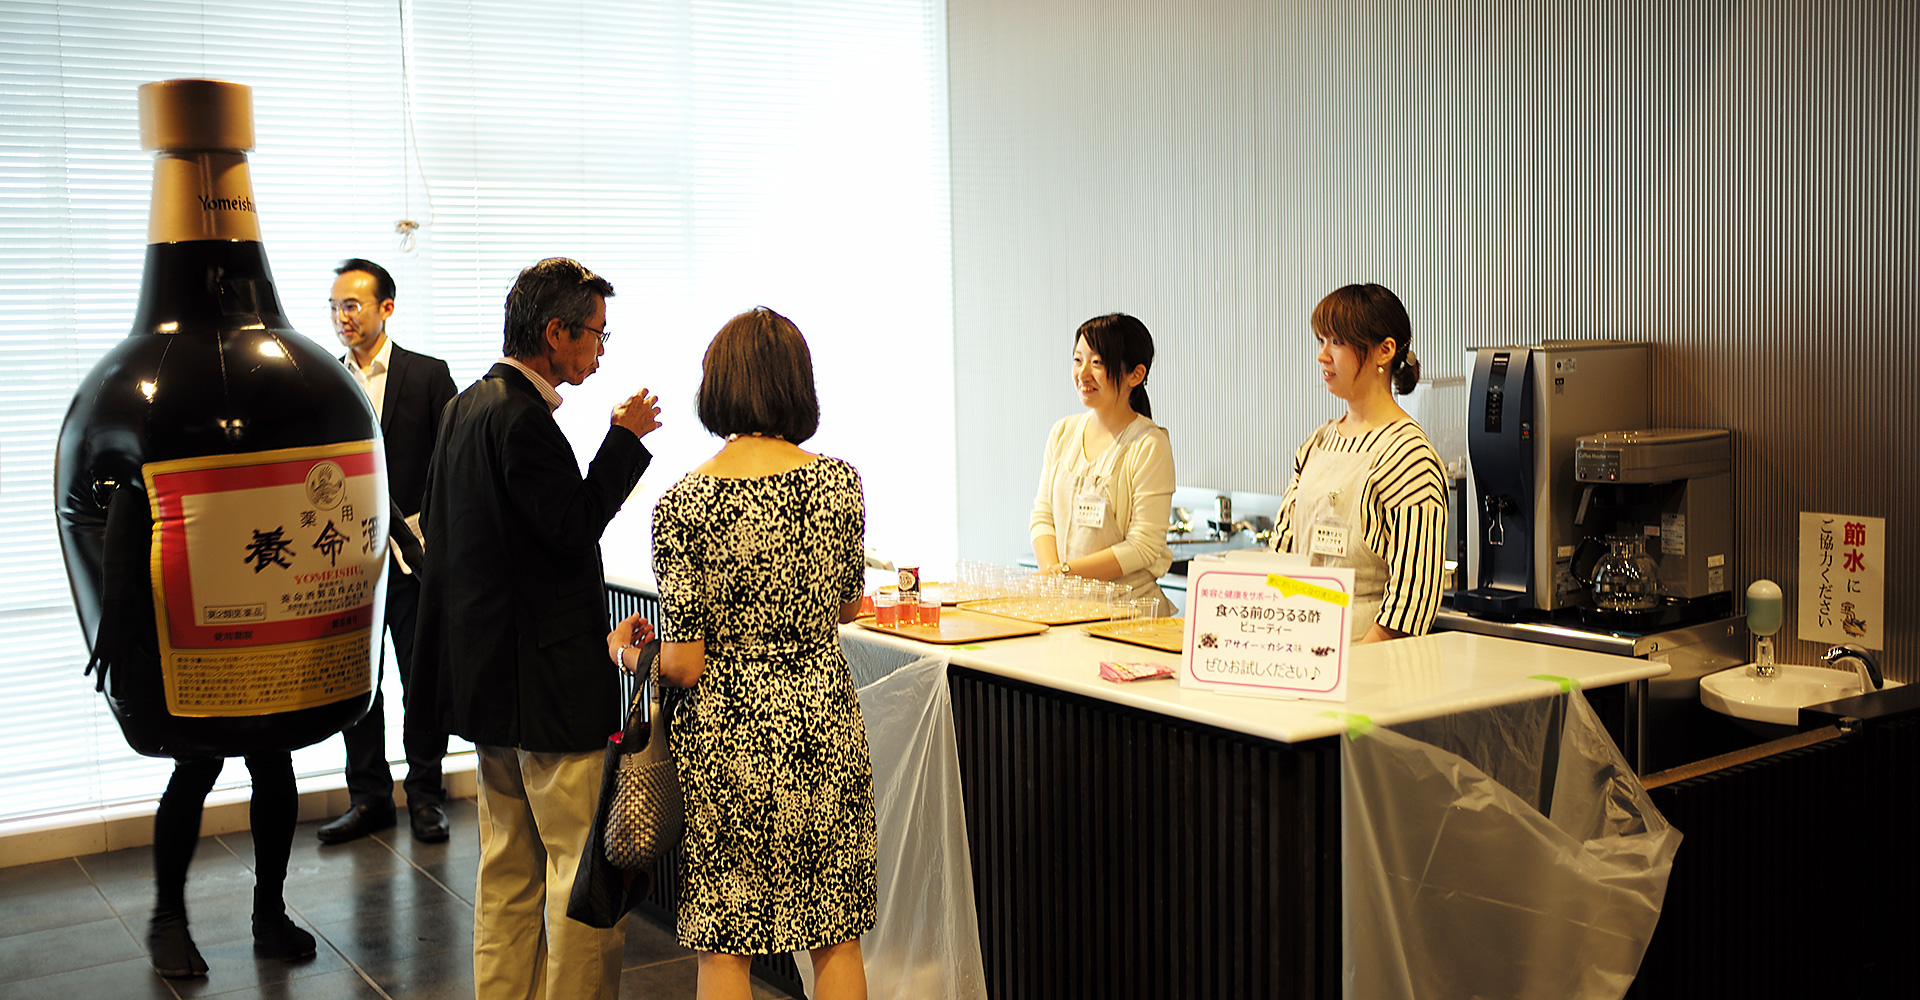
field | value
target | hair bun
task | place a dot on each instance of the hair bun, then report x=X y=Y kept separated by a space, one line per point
x=1407 y=374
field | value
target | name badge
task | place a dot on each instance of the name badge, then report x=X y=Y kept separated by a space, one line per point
x=1329 y=538
x=1090 y=511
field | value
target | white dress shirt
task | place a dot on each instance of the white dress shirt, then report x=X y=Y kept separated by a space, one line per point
x=373 y=379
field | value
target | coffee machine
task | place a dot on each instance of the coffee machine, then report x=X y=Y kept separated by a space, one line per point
x=1668 y=494
x=1526 y=408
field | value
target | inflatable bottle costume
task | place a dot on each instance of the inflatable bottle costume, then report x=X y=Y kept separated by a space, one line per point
x=220 y=484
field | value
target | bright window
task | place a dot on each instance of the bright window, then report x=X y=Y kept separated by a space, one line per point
x=704 y=156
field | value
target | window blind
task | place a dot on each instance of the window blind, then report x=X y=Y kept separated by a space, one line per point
x=704 y=156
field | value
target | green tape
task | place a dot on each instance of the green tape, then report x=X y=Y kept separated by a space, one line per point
x=1357 y=725
x=972 y=646
x=1567 y=684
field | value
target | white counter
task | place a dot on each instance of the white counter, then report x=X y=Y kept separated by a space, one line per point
x=1391 y=682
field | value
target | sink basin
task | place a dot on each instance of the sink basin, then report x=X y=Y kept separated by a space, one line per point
x=1777 y=699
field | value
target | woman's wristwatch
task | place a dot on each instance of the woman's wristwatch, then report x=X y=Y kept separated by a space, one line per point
x=1063 y=570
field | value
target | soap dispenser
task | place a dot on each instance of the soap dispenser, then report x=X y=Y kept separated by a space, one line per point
x=1764 y=603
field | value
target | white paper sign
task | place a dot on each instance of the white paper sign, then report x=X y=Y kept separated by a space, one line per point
x=1843 y=572
x=1260 y=623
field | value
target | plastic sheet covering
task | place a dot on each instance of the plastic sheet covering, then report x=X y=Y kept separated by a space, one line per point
x=926 y=943
x=1506 y=852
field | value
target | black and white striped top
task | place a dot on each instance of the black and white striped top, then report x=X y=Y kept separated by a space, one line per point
x=1406 y=515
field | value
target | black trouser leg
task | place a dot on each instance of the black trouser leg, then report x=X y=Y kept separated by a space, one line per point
x=424 y=745
x=369 y=778
x=176 y=829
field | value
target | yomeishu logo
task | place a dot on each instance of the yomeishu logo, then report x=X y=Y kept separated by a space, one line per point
x=225 y=204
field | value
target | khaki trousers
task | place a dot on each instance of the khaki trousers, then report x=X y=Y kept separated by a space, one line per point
x=535 y=810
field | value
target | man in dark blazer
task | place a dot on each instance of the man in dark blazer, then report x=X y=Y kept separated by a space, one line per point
x=407 y=392
x=512 y=646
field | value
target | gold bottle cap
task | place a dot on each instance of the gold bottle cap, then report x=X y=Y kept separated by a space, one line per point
x=181 y=115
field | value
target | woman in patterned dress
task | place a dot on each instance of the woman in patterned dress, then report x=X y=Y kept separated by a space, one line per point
x=1367 y=489
x=759 y=557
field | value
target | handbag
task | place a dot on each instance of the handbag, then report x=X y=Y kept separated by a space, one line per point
x=603 y=892
x=646 y=818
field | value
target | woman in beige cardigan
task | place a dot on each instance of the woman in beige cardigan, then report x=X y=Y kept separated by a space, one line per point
x=1107 y=484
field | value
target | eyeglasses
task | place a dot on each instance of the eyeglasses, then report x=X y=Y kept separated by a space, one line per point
x=596 y=331
x=351 y=307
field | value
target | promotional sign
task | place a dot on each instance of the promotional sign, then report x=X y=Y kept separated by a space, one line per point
x=266 y=570
x=1260 y=623
x=1843 y=573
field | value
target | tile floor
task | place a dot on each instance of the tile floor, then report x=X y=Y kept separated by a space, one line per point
x=394 y=919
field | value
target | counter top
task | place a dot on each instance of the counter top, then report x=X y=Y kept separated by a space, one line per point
x=1391 y=682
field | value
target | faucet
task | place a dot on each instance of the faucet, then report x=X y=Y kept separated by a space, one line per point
x=1863 y=664
x=1222 y=521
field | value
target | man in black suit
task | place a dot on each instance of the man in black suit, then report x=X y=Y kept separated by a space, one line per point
x=512 y=650
x=407 y=392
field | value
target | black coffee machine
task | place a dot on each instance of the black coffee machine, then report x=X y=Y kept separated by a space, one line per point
x=1526 y=408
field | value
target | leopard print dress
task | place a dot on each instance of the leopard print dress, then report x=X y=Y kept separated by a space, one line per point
x=770 y=748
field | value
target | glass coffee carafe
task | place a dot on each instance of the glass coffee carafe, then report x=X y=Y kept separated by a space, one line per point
x=1626 y=579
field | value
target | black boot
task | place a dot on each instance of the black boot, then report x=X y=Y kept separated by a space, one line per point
x=276 y=936
x=170 y=948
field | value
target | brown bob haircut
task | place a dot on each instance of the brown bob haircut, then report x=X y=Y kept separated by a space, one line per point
x=757 y=378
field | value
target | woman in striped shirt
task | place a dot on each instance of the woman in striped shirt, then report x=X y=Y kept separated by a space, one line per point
x=1367 y=489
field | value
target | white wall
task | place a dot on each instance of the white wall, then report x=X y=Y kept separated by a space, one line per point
x=1731 y=182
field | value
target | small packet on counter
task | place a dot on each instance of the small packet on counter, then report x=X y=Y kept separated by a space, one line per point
x=1120 y=673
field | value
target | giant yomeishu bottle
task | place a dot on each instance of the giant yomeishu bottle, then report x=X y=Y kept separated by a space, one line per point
x=220 y=485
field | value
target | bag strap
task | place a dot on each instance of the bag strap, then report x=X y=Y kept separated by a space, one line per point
x=657 y=748
x=641 y=711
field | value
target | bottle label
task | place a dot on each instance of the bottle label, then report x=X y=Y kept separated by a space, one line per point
x=202 y=196
x=266 y=569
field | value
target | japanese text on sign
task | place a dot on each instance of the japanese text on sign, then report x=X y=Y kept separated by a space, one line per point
x=1275 y=629
x=1842 y=579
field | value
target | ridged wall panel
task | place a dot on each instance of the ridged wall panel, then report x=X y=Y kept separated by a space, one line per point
x=1737 y=184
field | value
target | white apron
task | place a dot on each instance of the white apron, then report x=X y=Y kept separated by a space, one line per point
x=1329 y=526
x=1083 y=501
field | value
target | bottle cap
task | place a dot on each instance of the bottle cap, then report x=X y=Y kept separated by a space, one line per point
x=196 y=115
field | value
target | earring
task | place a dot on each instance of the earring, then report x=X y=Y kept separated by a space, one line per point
x=1382 y=369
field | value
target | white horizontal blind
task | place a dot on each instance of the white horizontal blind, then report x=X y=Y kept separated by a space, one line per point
x=705 y=157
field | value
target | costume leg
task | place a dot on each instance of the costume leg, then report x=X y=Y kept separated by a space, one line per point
x=176 y=833
x=509 y=939
x=176 y=829
x=273 y=811
x=583 y=962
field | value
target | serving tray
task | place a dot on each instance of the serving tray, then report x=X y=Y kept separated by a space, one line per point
x=1165 y=634
x=958 y=625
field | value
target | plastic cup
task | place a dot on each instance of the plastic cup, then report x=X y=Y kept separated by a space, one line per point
x=929 y=611
x=1145 y=610
x=886 y=610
